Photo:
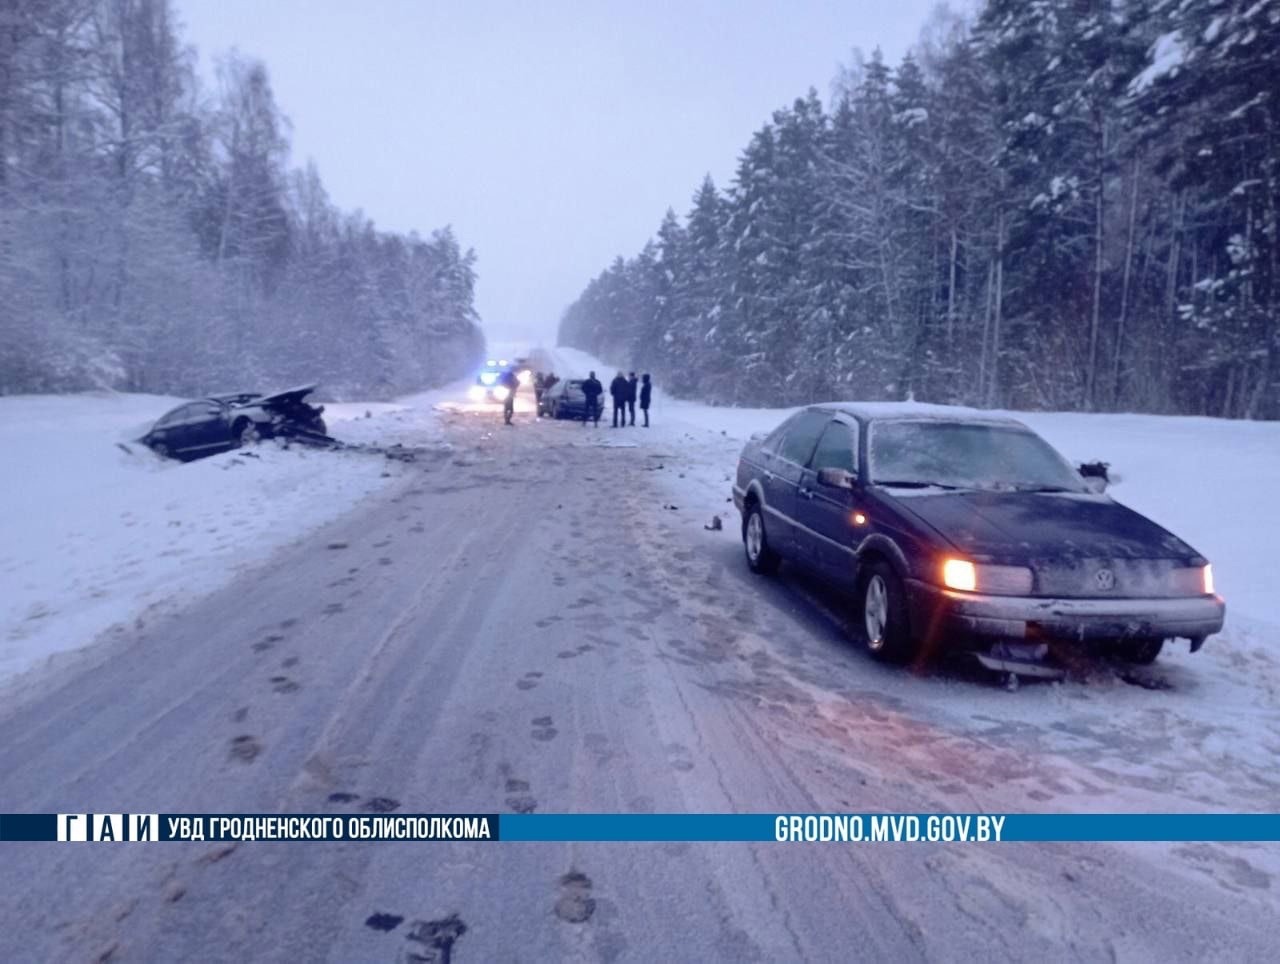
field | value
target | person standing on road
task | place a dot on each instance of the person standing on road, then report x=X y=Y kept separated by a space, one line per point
x=632 y=387
x=510 y=382
x=591 y=390
x=646 y=396
x=539 y=386
x=618 y=389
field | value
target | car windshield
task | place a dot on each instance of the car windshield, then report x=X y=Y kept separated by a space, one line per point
x=966 y=455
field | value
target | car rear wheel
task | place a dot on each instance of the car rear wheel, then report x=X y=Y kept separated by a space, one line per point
x=1141 y=651
x=882 y=614
x=760 y=558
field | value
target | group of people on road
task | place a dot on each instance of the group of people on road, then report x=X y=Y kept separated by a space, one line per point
x=625 y=391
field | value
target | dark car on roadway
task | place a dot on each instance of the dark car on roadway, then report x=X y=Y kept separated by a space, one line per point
x=220 y=422
x=957 y=528
x=564 y=399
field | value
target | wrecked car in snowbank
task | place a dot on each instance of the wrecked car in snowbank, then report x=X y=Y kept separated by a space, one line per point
x=959 y=528
x=217 y=423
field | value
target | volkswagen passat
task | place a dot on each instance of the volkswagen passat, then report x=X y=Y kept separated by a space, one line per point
x=952 y=527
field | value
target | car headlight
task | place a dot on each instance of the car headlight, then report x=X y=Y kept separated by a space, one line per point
x=966 y=576
x=488 y=378
x=525 y=377
x=1193 y=581
x=960 y=574
x=500 y=393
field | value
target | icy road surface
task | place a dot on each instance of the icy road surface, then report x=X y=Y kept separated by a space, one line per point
x=517 y=623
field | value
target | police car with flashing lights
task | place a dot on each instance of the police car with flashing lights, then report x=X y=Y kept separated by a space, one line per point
x=488 y=386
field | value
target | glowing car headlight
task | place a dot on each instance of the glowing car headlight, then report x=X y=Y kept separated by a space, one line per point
x=525 y=377
x=500 y=393
x=488 y=378
x=1193 y=581
x=965 y=576
x=477 y=393
x=960 y=574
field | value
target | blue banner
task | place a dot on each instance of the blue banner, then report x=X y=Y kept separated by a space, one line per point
x=845 y=828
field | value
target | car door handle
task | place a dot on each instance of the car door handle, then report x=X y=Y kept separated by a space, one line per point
x=807 y=493
x=768 y=476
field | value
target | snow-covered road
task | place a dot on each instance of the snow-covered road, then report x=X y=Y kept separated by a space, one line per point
x=520 y=622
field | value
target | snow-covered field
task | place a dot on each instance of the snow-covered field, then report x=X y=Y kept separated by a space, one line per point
x=94 y=534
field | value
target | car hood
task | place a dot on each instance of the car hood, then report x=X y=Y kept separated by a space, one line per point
x=290 y=396
x=1013 y=526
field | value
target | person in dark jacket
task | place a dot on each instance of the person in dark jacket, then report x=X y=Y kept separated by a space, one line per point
x=618 y=389
x=510 y=382
x=592 y=390
x=539 y=386
x=632 y=388
x=646 y=396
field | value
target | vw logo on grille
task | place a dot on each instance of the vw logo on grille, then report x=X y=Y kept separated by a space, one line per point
x=1104 y=579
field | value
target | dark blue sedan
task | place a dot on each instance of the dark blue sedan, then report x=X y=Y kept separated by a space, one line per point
x=956 y=528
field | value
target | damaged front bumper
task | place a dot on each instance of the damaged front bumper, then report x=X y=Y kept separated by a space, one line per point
x=949 y=616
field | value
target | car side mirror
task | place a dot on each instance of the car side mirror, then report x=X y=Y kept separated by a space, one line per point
x=1095 y=475
x=836 y=478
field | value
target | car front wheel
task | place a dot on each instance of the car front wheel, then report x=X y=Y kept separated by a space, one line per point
x=882 y=614
x=760 y=558
x=247 y=433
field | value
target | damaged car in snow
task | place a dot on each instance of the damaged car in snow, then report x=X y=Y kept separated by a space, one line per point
x=955 y=528
x=220 y=422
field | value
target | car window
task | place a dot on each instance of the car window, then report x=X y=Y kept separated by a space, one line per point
x=802 y=436
x=172 y=418
x=774 y=439
x=209 y=408
x=836 y=449
x=968 y=455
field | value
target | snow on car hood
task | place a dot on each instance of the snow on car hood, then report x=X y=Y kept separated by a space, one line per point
x=288 y=395
x=1026 y=525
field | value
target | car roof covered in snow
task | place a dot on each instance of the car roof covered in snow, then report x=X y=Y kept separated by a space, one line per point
x=881 y=411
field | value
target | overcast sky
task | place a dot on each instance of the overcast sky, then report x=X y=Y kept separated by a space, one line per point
x=551 y=134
